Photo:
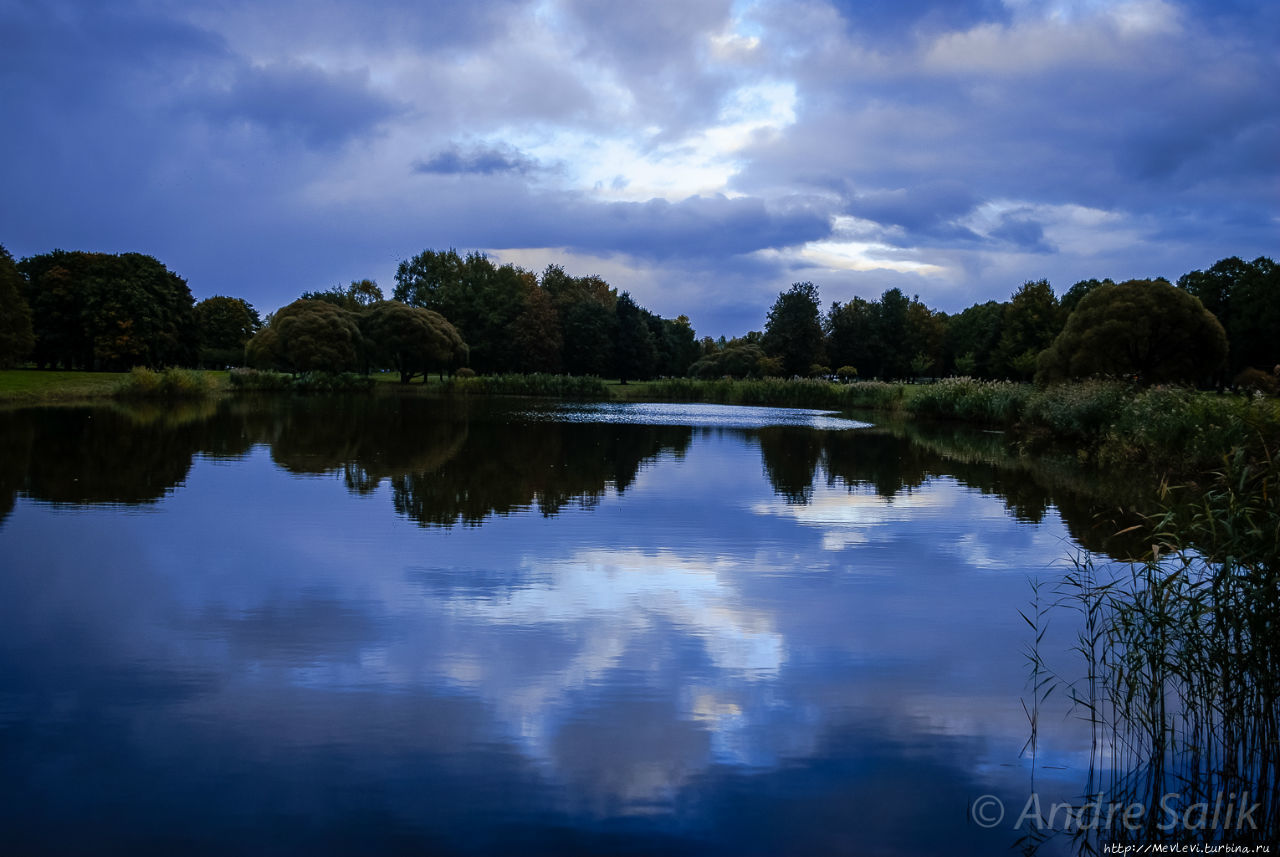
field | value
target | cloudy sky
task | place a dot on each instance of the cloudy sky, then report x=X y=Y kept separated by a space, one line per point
x=703 y=154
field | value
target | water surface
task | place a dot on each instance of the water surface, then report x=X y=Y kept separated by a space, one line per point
x=410 y=626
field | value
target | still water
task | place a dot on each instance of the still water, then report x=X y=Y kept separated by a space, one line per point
x=409 y=626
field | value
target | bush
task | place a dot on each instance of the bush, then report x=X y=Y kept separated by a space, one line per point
x=537 y=384
x=169 y=384
x=253 y=381
x=969 y=399
x=1257 y=381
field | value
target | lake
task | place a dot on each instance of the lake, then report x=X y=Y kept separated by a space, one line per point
x=415 y=626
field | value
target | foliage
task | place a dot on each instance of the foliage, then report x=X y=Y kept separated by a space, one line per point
x=224 y=326
x=561 y=386
x=17 y=338
x=1139 y=328
x=359 y=295
x=738 y=360
x=973 y=337
x=1258 y=381
x=254 y=381
x=1245 y=298
x=412 y=340
x=1032 y=319
x=1182 y=659
x=307 y=336
x=103 y=311
x=793 y=332
x=846 y=373
x=634 y=355
x=170 y=383
x=971 y=400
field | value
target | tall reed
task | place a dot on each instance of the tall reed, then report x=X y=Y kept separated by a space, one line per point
x=1182 y=655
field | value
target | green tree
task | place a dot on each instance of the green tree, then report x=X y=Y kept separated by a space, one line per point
x=681 y=347
x=1245 y=298
x=359 y=295
x=1031 y=320
x=1077 y=292
x=104 y=311
x=793 y=331
x=1141 y=328
x=973 y=337
x=850 y=332
x=224 y=326
x=891 y=357
x=306 y=336
x=536 y=333
x=16 y=336
x=634 y=355
x=411 y=340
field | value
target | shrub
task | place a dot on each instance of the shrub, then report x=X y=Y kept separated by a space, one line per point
x=170 y=384
x=537 y=384
x=254 y=381
x=1257 y=381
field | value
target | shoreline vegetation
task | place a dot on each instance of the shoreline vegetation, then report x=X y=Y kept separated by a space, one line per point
x=1173 y=431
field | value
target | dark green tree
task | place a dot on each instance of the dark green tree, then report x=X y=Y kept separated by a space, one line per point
x=793 y=331
x=1031 y=320
x=973 y=337
x=850 y=332
x=1145 y=329
x=16 y=336
x=633 y=352
x=891 y=354
x=1245 y=298
x=681 y=347
x=224 y=326
x=1076 y=293
x=104 y=311
x=359 y=295
x=412 y=340
x=307 y=336
x=536 y=333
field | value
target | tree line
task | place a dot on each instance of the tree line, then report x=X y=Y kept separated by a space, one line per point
x=98 y=311
x=1220 y=325
x=79 y=310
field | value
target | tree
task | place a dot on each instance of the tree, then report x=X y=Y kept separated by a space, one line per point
x=633 y=351
x=1031 y=320
x=890 y=336
x=104 y=311
x=536 y=333
x=16 y=336
x=224 y=326
x=1142 y=328
x=307 y=336
x=359 y=295
x=1245 y=298
x=850 y=331
x=1077 y=292
x=793 y=331
x=973 y=337
x=411 y=340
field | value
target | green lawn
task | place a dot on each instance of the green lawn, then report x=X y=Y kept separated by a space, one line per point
x=32 y=386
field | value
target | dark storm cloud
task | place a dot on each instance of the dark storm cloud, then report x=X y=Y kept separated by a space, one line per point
x=485 y=161
x=929 y=209
x=322 y=108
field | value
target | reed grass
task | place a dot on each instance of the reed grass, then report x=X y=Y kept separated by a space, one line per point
x=1182 y=665
x=537 y=384
x=143 y=383
x=254 y=381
